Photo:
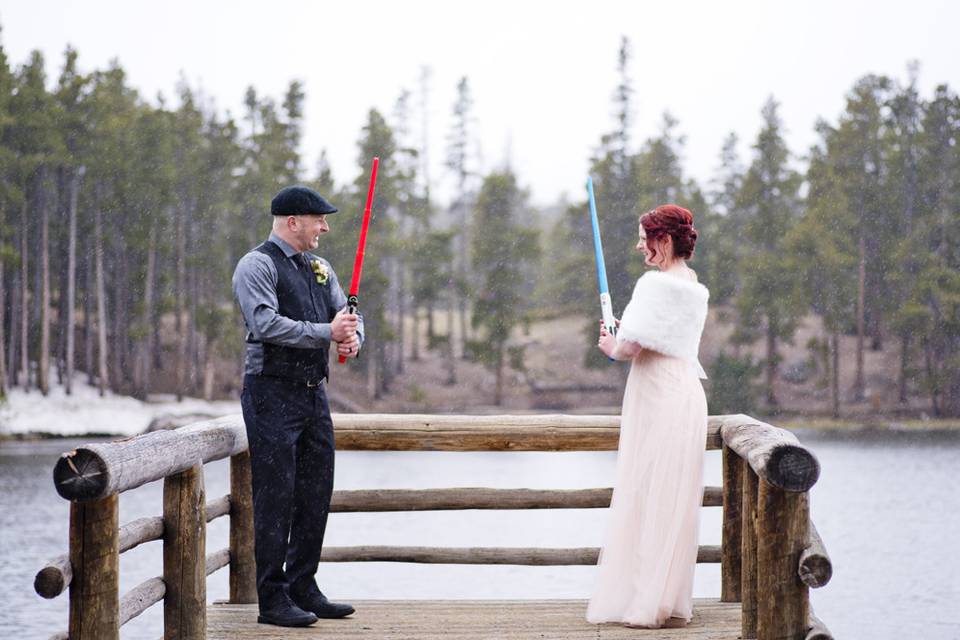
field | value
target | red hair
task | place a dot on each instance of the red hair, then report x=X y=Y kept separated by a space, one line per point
x=670 y=220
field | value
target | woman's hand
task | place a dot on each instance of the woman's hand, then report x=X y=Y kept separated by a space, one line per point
x=607 y=342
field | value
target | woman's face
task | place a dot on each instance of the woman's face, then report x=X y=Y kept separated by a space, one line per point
x=643 y=248
x=663 y=247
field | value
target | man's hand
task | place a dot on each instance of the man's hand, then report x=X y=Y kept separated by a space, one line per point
x=350 y=348
x=344 y=326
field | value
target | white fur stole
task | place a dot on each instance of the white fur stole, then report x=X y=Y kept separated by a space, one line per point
x=666 y=314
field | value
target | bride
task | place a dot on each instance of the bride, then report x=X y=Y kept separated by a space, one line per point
x=645 y=572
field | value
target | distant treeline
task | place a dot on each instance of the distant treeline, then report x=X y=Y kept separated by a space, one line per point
x=121 y=221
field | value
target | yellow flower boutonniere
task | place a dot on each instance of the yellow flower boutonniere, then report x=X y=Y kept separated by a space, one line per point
x=321 y=271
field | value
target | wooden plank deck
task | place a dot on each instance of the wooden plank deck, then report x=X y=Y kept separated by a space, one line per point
x=473 y=619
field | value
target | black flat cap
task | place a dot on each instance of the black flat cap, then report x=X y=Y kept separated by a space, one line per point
x=299 y=200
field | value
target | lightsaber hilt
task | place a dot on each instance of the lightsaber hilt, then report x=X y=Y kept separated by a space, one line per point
x=352 y=305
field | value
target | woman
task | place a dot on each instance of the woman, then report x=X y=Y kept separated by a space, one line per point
x=645 y=576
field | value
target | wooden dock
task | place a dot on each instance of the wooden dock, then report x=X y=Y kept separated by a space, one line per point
x=471 y=619
x=770 y=555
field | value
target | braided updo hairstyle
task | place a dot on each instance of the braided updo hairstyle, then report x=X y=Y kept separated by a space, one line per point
x=674 y=221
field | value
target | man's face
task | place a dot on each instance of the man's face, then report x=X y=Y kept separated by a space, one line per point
x=307 y=230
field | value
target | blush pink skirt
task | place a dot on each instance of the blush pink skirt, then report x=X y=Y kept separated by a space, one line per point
x=645 y=572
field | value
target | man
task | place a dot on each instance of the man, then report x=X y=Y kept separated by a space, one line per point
x=293 y=307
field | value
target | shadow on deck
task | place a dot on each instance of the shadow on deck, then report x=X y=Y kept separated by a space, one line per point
x=476 y=619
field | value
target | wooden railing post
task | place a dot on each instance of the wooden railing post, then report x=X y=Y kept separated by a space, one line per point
x=732 y=525
x=95 y=557
x=243 y=570
x=184 y=555
x=748 y=555
x=783 y=519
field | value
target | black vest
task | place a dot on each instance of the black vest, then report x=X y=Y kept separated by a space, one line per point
x=299 y=297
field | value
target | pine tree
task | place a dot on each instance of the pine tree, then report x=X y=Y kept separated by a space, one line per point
x=768 y=201
x=820 y=250
x=502 y=249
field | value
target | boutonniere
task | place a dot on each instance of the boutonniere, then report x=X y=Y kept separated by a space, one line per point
x=321 y=271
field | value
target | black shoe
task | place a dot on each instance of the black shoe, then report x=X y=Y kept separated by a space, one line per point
x=317 y=603
x=286 y=614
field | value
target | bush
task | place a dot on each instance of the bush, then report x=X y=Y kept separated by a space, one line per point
x=732 y=389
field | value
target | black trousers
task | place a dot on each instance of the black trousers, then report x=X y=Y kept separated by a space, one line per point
x=292 y=452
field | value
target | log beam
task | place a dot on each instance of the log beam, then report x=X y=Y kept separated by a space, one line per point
x=815 y=568
x=95 y=558
x=731 y=545
x=783 y=603
x=533 y=556
x=100 y=469
x=56 y=576
x=184 y=539
x=748 y=553
x=774 y=454
x=243 y=569
x=383 y=500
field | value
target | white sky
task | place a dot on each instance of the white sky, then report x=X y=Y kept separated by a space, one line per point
x=542 y=73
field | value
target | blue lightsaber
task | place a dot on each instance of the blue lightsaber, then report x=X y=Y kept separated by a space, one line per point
x=606 y=304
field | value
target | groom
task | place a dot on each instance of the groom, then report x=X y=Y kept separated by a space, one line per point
x=293 y=308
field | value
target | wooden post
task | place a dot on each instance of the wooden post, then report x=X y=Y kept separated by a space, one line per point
x=243 y=568
x=95 y=556
x=783 y=607
x=748 y=556
x=732 y=525
x=184 y=553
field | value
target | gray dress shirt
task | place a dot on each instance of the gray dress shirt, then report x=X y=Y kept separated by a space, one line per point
x=255 y=288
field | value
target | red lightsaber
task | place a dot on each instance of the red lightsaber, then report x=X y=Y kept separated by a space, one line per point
x=352 y=300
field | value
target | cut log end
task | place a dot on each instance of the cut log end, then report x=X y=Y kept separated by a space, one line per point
x=816 y=571
x=50 y=582
x=792 y=468
x=80 y=475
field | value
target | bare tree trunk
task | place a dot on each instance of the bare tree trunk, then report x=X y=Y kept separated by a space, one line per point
x=904 y=365
x=932 y=378
x=464 y=328
x=498 y=393
x=430 y=330
x=835 y=371
x=88 y=295
x=858 y=384
x=771 y=363
x=382 y=367
x=24 y=300
x=194 y=341
x=43 y=368
x=451 y=342
x=145 y=349
x=119 y=280
x=15 y=310
x=104 y=381
x=209 y=375
x=370 y=345
x=4 y=383
x=415 y=338
x=181 y=305
x=71 y=282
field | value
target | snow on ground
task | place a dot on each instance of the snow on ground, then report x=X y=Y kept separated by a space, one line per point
x=84 y=411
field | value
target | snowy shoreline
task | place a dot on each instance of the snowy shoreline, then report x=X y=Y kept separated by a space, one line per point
x=85 y=413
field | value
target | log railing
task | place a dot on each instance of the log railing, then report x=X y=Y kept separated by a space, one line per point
x=768 y=547
x=771 y=552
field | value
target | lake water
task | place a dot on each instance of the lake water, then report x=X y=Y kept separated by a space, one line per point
x=886 y=506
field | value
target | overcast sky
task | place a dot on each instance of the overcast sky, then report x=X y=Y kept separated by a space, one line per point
x=542 y=73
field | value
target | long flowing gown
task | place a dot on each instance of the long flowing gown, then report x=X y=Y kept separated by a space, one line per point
x=645 y=573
